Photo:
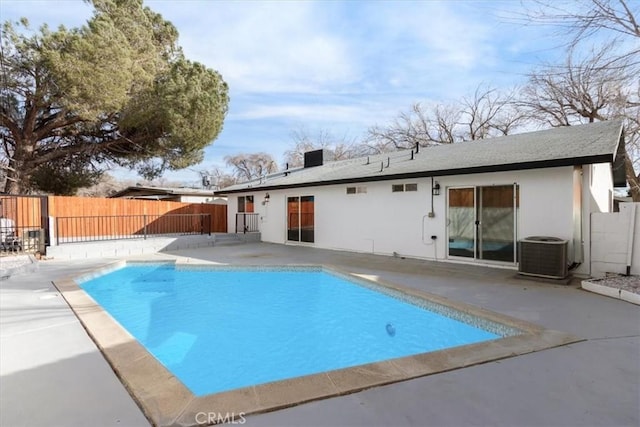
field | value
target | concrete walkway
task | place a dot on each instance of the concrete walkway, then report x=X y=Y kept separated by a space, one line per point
x=52 y=373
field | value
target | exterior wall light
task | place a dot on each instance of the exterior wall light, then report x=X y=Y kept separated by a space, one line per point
x=436 y=189
x=266 y=199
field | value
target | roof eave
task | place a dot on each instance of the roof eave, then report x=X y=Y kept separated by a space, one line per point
x=601 y=158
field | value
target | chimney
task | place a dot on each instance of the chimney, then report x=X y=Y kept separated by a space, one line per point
x=316 y=158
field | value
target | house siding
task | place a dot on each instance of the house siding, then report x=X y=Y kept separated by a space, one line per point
x=384 y=222
x=600 y=188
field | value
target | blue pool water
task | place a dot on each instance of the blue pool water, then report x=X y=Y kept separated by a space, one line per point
x=221 y=330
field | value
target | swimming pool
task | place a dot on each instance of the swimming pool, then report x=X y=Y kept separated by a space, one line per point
x=166 y=400
x=222 y=329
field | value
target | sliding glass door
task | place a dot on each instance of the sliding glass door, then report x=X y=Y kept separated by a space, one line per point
x=461 y=221
x=496 y=223
x=482 y=222
x=300 y=219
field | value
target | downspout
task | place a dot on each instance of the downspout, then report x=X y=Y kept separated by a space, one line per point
x=632 y=227
x=431 y=214
x=578 y=252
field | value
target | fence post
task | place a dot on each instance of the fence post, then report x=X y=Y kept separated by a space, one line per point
x=144 y=220
x=57 y=220
x=44 y=219
x=52 y=231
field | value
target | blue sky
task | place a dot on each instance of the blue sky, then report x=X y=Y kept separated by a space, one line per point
x=337 y=66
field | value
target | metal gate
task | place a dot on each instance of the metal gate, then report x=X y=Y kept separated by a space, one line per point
x=23 y=224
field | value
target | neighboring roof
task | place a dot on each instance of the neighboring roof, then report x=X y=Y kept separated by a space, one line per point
x=141 y=191
x=563 y=146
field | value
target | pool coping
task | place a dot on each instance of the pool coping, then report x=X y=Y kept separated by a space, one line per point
x=165 y=401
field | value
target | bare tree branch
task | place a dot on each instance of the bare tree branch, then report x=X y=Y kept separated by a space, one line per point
x=251 y=166
x=303 y=140
x=588 y=91
x=487 y=114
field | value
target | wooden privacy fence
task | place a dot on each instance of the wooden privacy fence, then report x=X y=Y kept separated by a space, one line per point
x=25 y=219
x=82 y=218
x=24 y=211
x=23 y=224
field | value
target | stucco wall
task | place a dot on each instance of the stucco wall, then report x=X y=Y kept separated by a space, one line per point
x=601 y=188
x=611 y=233
x=384 y=222
x=378 y=221
x=196 y=199
x=597 y=197
x=232 y=209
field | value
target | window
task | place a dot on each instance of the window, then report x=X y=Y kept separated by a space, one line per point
x=396 y=188
x=245 y=204
x=356 y=190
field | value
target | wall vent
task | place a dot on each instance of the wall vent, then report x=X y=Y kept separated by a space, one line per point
x=543 y=257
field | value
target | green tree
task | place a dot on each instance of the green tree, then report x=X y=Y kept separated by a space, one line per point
x=117 y=91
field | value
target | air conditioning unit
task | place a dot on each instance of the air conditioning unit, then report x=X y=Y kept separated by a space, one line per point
x=543 y=257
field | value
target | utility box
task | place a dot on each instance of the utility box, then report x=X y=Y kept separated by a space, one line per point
x=544 y=256
x=33 y=241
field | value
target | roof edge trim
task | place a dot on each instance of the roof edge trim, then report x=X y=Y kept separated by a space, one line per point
x=603 y=158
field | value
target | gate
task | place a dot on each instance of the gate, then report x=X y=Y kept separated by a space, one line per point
x=23 y=224
x=246 y=222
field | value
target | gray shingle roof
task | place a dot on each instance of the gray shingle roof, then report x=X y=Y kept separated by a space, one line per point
x=573 y=145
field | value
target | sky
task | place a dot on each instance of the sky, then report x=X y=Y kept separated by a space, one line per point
x=333 y=66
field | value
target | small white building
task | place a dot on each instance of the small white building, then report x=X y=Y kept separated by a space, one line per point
x=466 y=202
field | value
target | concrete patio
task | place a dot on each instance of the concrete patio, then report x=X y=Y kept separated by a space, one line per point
x=52 y=373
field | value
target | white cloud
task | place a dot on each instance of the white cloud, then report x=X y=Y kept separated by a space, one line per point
x=331 y=65
x=355 y=112
x=311 y=112
x=263 y=46
x=71 y=13
x=428 y=43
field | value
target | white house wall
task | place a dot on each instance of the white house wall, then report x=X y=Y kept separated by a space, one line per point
x=273 y=217
x=600 y=187
x=597 y=197
x=196 y=199
x=232 y=209
x=380 y=221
